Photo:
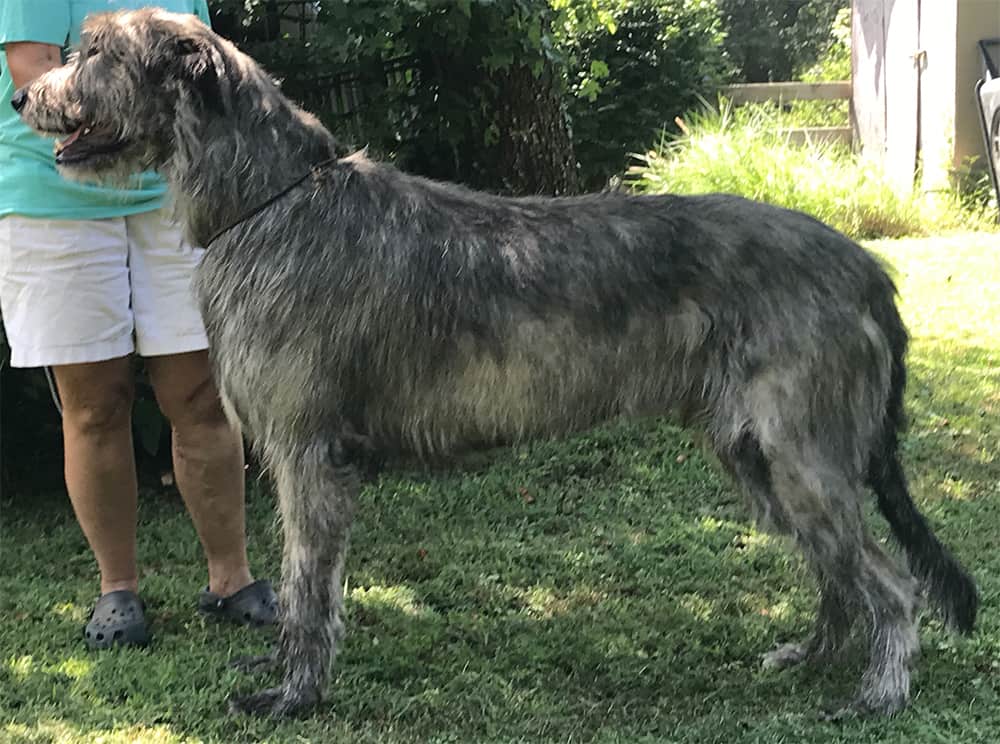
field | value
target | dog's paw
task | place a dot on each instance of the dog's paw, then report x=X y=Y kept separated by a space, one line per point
x=276 y=702
x=865 y=707
x=255 y=664
x=784 y=656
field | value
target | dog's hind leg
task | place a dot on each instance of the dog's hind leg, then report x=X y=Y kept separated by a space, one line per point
x=751 y=470
x=316 y=487
x=822 y=503
x=832 y=628
x=888 y=595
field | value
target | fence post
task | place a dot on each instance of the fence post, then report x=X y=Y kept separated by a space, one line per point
x=839 y=90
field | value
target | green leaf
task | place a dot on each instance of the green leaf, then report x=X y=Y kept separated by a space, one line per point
x=599 y=69
x=590 y=89
x=498 y=60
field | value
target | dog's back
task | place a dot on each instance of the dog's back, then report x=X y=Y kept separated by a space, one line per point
x=463 y=319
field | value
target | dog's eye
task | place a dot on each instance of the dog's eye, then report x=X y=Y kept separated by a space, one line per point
x=92 y=52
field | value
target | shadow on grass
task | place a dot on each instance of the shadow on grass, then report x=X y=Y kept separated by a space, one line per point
x=607 y=587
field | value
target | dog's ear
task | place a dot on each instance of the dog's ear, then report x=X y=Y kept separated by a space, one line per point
x=194 y=57
x=194 y=60
x=199 y=62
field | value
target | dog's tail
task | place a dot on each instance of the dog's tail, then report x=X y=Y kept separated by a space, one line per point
x=949 y=586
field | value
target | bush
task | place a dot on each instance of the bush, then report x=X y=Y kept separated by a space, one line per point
x=632 y=76
x=743 y=151
x=620 y=69
x=469 y=91
x=776 y=40
x=31 y=442
x=834 y=63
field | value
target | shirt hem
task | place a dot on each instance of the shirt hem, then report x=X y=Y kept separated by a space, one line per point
x=84 y=213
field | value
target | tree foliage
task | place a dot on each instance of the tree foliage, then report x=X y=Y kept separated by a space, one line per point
x=441 y=87
x=634 y=72
x=774 y=40
x=433 y=85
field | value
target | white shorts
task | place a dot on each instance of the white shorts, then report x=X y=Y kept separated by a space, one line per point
x=74 y=291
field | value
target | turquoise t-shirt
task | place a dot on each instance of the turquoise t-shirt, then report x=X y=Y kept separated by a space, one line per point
x=29 y=182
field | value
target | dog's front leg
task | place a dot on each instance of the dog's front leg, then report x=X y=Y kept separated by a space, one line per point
x=317 y=487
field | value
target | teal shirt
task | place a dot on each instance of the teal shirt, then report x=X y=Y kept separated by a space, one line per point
x=29 y=182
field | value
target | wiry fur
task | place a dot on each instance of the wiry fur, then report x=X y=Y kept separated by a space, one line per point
x=428 y=318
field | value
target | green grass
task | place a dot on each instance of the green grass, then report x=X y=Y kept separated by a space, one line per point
x=746 y=151
x=607 y=588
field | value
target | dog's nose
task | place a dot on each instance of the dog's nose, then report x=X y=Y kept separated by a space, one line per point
x=20 y=98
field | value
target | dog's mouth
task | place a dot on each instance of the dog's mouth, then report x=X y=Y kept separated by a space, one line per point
x=88 y=142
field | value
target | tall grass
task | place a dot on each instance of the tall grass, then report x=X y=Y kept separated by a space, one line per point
x=747 y=151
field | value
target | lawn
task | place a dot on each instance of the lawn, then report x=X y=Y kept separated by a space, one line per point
x=606 y=588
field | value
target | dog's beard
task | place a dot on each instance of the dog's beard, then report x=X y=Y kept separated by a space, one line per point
x=47 y=122
x=116 y=170
x=84 y=152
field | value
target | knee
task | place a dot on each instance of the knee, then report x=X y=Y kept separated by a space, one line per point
x=105 y=410
x=194 y=408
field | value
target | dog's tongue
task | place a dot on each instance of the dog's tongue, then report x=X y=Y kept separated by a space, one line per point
x=72 y=138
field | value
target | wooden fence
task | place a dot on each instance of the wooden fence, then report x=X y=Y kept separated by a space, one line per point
x=786 y=92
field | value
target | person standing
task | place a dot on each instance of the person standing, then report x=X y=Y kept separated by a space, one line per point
x=90 y=275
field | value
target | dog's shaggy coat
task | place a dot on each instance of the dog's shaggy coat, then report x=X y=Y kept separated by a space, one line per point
x=369 y=305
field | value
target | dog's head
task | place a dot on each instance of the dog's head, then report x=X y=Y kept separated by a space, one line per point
x=117 y=104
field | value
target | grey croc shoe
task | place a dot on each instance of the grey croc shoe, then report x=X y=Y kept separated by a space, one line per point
x=254 y=604
x=118 y=620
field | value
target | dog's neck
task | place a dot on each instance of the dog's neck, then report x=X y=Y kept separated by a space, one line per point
x=219 y=170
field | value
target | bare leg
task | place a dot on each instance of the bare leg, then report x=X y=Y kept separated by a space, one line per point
x=208 y=464
x=317 y=488
x=100 y=463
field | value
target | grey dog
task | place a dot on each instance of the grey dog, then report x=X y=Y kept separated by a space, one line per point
x=352 y=303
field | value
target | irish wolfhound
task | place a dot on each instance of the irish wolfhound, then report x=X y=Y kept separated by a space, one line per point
x=354 y=301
